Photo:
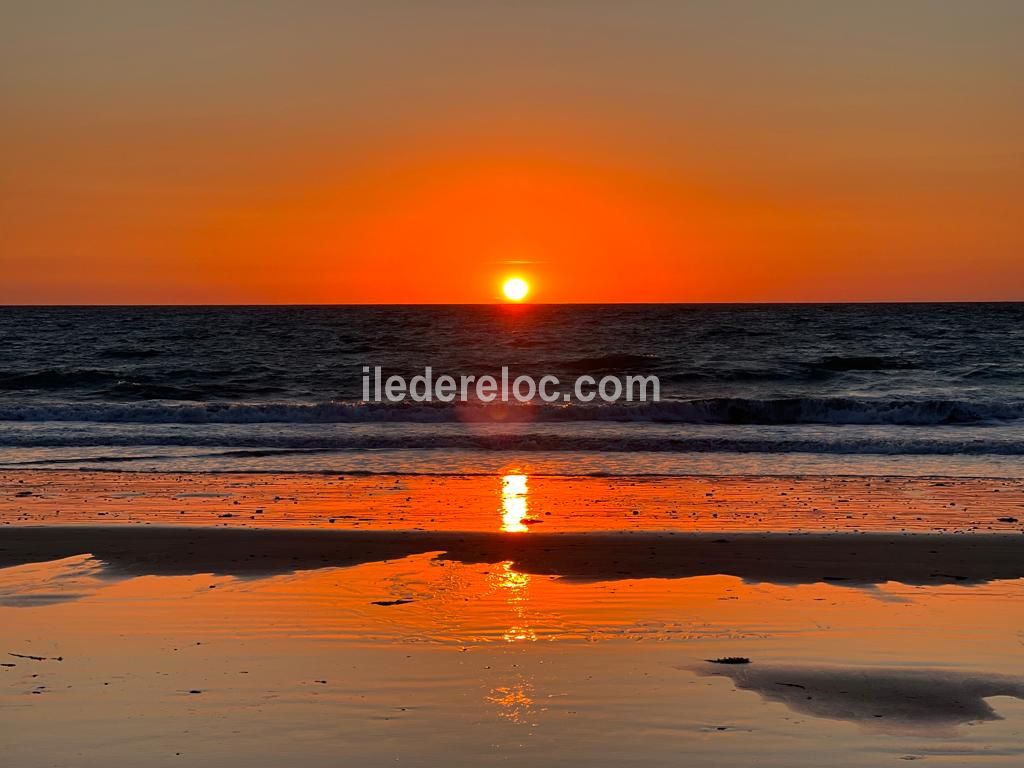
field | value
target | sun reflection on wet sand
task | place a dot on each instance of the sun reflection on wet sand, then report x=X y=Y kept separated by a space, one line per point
x=514 y=506
x=515 y=585
x=524 y=502
x=530 y=660
x=516 y=588
x=515 y=699
x=515 y=702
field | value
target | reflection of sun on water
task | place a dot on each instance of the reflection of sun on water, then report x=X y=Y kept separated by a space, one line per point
x=515 y=586
x=515 y=582
x=513 y=503
x=514 y=701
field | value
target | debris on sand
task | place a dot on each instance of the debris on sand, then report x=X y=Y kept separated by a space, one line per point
x=729 y=660
x=1008 y=520
x=400 y=601
x=35 y=658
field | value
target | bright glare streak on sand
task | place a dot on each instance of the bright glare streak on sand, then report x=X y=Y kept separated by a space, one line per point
x=515 y=587
x=513 y=503
x=514 y=511
x=515 y=702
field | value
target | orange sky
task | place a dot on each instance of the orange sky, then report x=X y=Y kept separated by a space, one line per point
x=663 y=151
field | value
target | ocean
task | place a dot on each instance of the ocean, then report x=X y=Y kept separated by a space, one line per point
x=879 y=389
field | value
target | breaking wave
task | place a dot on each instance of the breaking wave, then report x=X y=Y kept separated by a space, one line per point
x=779 y=411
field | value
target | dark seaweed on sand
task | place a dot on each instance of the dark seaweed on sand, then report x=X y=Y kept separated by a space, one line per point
x=729 y=660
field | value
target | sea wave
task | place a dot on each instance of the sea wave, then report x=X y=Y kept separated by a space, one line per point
x=776 y=411
x=861 y=363
x=273 y=442
x=612 y=363
x=53 y=378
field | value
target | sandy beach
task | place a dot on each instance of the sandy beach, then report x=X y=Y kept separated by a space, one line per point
x=493 y=502
x=223 y=619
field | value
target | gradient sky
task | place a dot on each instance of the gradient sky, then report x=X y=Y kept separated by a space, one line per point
x=386 y=151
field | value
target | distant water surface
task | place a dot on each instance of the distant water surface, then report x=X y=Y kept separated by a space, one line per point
x=915 y=388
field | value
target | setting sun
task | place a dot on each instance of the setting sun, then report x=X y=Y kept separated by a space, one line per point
x=515 y=289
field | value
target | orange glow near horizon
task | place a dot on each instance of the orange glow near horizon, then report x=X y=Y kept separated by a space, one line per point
x=437 y=227
x=686 y=158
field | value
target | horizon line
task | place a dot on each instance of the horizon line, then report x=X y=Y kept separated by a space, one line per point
x=867 y=302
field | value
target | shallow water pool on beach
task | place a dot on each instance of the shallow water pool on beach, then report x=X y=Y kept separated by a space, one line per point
x=425 y=660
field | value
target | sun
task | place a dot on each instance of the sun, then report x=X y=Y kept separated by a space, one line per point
x=515 y=289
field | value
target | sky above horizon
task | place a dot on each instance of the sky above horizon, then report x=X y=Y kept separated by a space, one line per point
x=357 y=152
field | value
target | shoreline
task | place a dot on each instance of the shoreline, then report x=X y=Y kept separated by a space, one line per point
x=33 y=467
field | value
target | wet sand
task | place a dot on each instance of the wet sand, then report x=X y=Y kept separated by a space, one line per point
x=426 y=662
x=786 y=558
x=469 y=503
x=444 y=624
x=896 y=699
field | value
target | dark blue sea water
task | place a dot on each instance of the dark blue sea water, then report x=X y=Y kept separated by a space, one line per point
x=934 y=389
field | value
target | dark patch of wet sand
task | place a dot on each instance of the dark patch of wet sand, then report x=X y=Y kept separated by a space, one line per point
x=838 y=558
x=890 y=699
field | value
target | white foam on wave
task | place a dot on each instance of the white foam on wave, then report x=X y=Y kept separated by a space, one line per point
x=592 y=437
